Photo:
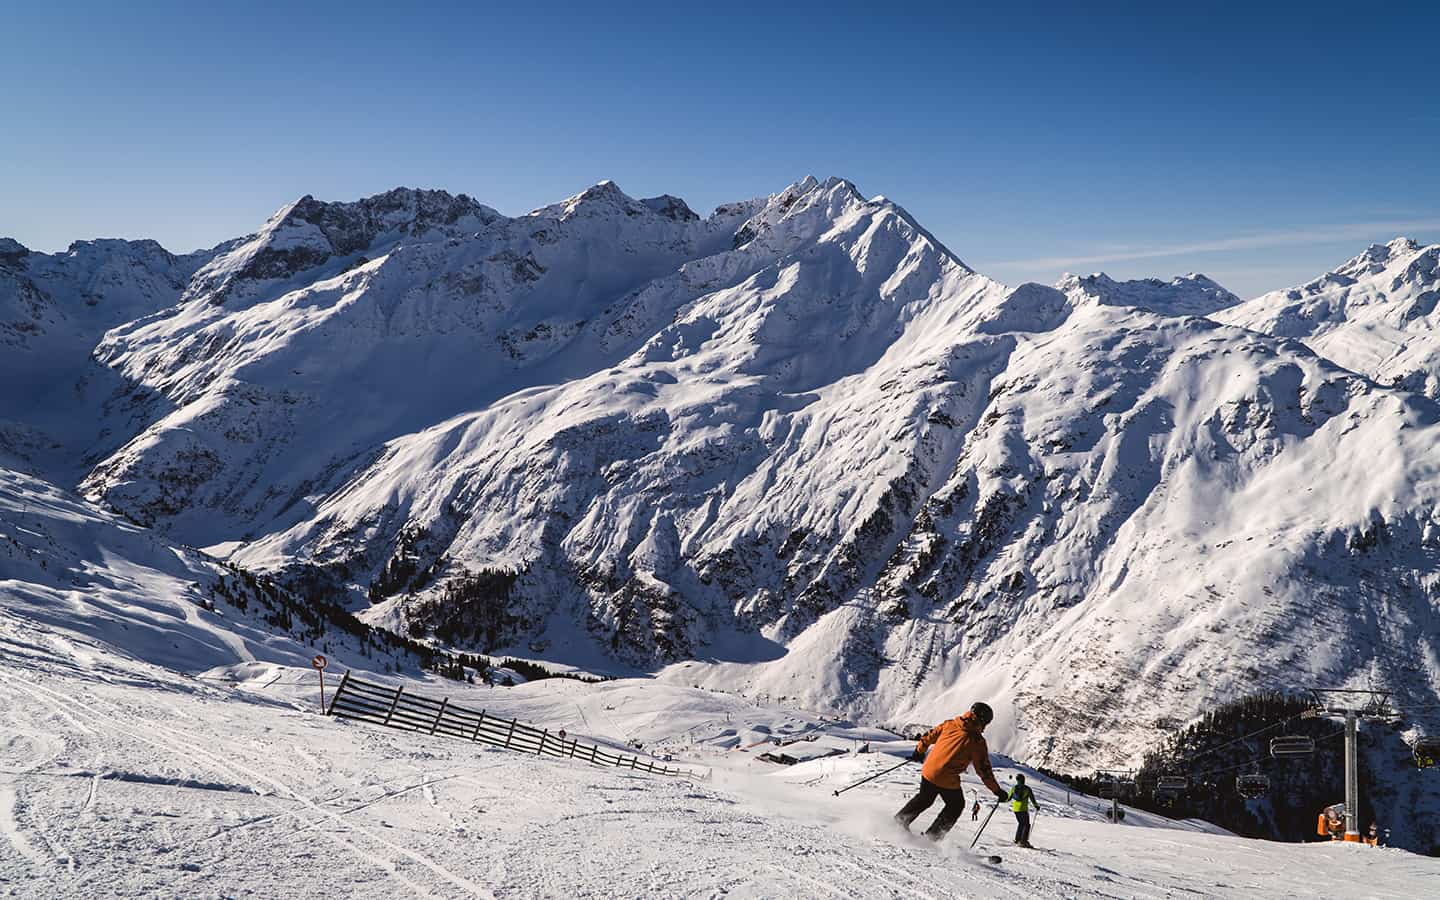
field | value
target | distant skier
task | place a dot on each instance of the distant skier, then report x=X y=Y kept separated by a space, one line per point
x=1020 y=799
x=952 y=747
x=975 y=810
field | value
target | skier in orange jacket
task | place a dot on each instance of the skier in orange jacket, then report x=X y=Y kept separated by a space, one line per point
x=953 y=747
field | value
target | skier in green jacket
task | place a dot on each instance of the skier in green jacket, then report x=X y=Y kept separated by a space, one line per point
x=1020 y=799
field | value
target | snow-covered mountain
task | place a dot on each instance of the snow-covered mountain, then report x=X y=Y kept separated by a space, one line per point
x=1188 y=295
x=1375 y=314
x=79 y=583
x=795 y=447
x=54 y=308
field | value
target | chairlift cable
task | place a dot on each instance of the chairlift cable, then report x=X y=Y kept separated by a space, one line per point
x=1262 y=730
x=1222 y=771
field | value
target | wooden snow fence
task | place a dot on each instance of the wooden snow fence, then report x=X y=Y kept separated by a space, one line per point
x=364 y=701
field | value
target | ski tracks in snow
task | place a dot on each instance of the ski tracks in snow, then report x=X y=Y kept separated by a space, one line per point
x=188 y=747
x=11 y=830
x=233 y=797
x=26 y=749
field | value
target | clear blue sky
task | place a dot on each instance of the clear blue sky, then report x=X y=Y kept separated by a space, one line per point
x=1258 y=146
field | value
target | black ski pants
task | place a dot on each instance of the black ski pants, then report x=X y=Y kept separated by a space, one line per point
x=1022 y=827
x=929 y=791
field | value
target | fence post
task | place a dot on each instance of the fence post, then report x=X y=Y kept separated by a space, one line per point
x=439 y=713
x=540 y=751
x=509 y=734
x=338 y=691
x=594 y=751
x=475 y=738
x=574 y=745
x=393 y=703
x=634 y=761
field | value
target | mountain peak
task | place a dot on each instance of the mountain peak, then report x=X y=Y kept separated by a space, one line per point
x=605 y=189
x=1375 y=258
x=12 y=251
x=604 y=198
x=1374 y=314
x=834 y=186
x=1184 y=295
x=352 y=226
x=306 y=233
x=671 y=207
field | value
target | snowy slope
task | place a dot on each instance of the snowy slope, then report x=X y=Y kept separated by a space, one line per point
x=160 y=786
x=797 y=444
x=1134 y=529
x=1375 y=315
x=57 y=403
x=72 y=575
x=81 y=584
x=284 y=382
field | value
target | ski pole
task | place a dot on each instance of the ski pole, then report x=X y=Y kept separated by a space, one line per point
x=871 y=778
x=981 y=830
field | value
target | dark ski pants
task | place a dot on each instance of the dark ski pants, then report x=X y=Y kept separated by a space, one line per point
x=954 y=806
x=1022 y=827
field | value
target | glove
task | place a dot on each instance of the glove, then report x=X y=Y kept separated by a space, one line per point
x=1002 y=796
x=917 y=756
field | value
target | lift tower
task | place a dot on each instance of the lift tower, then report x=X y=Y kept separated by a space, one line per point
x=1353 y=706
x=1114 y=784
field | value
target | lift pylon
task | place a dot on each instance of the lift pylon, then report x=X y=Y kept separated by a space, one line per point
x=1353 y=706
x=1114 y=784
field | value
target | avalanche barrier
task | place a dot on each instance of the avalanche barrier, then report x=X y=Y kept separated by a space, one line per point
x=376 y=704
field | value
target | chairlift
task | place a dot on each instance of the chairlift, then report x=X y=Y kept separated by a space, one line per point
x=1112 y=787
x=1426 y=750
x=1252 y=786
x=1171 y=785
x=1291 y=745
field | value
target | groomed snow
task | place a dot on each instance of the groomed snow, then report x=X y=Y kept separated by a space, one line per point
x=121 y=779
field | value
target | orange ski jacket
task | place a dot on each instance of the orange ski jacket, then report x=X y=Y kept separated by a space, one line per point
x=955 y=746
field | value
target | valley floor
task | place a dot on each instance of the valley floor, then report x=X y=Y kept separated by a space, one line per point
x=121 y=779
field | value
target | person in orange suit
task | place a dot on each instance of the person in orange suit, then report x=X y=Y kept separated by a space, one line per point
x=947 y=750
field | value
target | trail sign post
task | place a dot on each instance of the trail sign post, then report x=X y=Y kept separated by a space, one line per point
x=320 y=662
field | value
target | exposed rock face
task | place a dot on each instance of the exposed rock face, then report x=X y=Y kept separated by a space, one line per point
x=305 y=235
x=671 y=208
